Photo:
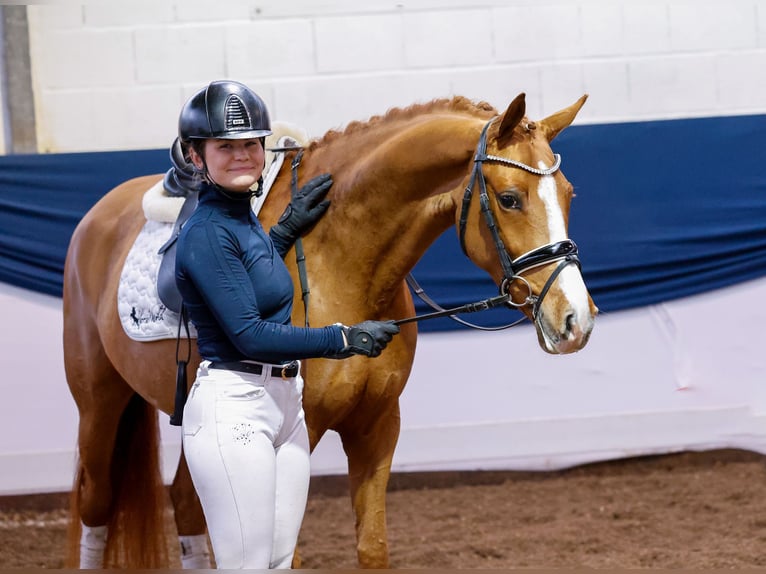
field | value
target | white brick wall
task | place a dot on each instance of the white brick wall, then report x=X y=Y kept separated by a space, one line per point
x=112 y=75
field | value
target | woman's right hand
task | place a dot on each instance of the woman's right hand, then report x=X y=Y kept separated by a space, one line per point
x=367 y=338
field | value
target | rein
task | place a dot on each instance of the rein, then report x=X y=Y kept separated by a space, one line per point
x=440 y=311
x=300 y=256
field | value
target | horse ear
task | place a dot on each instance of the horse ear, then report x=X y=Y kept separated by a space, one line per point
x=512 y=117
x=554 y=124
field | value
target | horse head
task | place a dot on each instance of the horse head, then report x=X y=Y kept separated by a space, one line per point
x=516 y=229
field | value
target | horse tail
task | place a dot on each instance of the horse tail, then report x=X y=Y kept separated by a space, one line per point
x=136 y=531
x=136 y=536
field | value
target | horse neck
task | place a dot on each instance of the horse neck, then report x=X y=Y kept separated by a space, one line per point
x=391 y=199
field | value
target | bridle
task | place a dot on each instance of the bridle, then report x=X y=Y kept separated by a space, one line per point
x=565 y=252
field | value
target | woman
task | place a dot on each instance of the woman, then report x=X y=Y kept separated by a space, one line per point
x=244 y=432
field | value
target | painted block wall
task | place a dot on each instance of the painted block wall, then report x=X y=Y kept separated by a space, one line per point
x=113 y=75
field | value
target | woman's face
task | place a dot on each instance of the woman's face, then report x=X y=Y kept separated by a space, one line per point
x=235 y=165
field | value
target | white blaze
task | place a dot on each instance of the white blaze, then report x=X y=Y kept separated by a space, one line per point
x=570 y=280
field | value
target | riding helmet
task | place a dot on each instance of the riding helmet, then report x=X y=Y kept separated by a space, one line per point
x=224 y=110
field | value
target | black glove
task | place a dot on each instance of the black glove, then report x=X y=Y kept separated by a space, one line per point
x=303 y=211
x=368 y=338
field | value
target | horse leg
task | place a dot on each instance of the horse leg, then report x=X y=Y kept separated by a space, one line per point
x=190 y=520
x=370 y=451
x=118 y=495
x=93 y=490
x=94 y=494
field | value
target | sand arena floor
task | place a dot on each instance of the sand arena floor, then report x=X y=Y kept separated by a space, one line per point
x=688 y=510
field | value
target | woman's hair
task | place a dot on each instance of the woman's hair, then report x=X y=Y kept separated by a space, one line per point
x=197 y=145
x=199 y=176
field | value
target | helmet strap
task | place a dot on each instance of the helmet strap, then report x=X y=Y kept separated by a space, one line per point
x=258 y=191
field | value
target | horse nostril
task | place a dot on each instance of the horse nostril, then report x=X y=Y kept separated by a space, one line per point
x=569 y=325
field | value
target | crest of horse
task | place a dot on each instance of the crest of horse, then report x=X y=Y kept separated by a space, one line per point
x=401 y=180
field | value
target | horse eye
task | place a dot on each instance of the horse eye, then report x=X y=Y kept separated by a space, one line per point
x=509 y=200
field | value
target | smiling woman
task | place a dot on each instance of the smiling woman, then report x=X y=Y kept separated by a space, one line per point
x=244 y=422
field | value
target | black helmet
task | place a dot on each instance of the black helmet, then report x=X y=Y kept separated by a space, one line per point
x=225 y=110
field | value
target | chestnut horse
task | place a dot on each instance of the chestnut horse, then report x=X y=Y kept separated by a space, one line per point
x=401 y=180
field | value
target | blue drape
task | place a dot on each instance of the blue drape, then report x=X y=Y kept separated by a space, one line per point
x=663 y=209
x=43 y=197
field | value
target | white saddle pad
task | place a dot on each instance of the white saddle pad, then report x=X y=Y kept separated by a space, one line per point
x=142 y=314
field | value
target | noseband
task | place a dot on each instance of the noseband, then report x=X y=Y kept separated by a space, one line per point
x=563 y=251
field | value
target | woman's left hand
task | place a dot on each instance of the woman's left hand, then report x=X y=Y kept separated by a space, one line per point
x=305 y=209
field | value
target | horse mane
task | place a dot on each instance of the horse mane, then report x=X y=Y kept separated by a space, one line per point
x=456 y=104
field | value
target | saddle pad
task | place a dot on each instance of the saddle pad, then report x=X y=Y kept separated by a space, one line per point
x=142 y=314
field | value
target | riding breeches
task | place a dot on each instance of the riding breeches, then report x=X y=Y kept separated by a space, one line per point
x=246 y=443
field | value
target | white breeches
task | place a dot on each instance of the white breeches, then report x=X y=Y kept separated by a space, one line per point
x=247 y=446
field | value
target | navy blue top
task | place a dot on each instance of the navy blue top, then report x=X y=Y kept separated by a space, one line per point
x=237 y=289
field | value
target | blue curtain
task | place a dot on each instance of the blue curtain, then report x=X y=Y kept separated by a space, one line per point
x=43 y=198
x=663 y=210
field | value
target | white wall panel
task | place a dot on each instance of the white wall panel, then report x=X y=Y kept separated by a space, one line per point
x=606 y=82
x=84 y=58
x=713 y=25
x=646 y=27
x=359 y=43
x=270 y=49
x=127 y=14
x=540 y=34
x=194 y=53
x=741 y=78
x=674 y=86
x=561 y=83
x=603 y=29
x=439 y=40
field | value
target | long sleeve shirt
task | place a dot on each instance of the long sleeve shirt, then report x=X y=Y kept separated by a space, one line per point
x=237 y=288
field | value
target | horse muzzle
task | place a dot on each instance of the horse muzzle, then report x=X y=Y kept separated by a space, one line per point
x=562 y=312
